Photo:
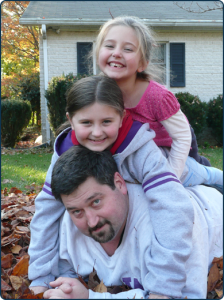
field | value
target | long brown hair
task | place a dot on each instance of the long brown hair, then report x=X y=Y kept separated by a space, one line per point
x=89 y=90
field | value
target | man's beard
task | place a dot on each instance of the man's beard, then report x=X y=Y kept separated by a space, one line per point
x=102 y=236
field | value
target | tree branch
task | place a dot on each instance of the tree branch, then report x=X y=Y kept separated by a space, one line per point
x=217 y=6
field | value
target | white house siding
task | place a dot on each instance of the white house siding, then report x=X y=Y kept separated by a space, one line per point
x=62 y=58
x=203 y=56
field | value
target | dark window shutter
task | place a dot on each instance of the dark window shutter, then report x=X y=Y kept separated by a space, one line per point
x=84 y=65
x=177 y=64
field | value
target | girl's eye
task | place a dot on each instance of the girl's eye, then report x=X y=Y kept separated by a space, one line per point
x=107 y=121
x=128 y=49
x=86 y=122
x=108 y=46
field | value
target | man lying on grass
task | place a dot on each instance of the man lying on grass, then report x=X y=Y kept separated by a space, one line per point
x=107 y=226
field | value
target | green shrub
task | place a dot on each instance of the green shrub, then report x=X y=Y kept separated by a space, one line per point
x=15 y=116
x=215 y=118
x=194 y=109
x=29 y=89
x=56 y=100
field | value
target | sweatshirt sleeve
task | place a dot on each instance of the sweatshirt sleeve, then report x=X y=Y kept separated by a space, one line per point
x=179 y=130
x=132 y=294
x=171 y=214
x=43 y=248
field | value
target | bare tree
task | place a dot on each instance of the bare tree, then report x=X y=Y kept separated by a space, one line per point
x=195 y=7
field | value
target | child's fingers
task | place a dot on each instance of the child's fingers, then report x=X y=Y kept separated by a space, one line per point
x=59 y=281
x=66 y=288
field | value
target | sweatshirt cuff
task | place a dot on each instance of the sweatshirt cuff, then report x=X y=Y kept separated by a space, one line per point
x=43 y=281
x=95 y=295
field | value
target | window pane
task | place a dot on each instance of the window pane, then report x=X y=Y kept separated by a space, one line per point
x=159 y=58
x=84 y=65
x=159 y=54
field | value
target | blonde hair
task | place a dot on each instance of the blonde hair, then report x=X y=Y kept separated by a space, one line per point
x=147 y=44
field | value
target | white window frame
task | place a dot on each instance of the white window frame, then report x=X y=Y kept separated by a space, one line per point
x=166 y=61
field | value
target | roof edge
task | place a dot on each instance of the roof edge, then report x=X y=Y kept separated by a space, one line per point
x=151 y=22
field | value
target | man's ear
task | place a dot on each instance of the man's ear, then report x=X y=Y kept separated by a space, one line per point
x=120 y=183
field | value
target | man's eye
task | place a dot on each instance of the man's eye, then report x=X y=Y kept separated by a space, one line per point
x=76 y=213
x=97 y=201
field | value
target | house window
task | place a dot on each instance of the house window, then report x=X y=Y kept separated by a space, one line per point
x=177 y=64
x=84 y=64
x=160 y=58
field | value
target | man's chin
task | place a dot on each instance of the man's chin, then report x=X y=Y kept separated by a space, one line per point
x=103 y=237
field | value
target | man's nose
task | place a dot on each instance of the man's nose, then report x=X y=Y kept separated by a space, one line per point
x=92 y=219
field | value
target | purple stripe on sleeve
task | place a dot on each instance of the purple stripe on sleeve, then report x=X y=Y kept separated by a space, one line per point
x=131 y=134
x=64 y=142
x=46 y=191
x=158 y=176
x=160 y=183
x=47 y=184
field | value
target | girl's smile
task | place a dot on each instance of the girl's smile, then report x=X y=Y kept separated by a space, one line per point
x=96 y=126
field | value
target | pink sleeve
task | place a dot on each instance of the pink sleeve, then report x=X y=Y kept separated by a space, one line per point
x=167 y=106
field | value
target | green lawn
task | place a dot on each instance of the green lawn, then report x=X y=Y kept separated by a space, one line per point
x=215 y=156
x=25 y=168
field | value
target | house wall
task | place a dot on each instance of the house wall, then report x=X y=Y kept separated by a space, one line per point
x=203 y=62
x=62 y=58
x=203 y=57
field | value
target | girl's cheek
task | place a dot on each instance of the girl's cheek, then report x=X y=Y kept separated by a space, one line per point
x=82 y=132
x=114 y=131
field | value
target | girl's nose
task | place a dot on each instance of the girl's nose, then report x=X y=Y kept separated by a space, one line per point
x=97 y=131
x=116 y=52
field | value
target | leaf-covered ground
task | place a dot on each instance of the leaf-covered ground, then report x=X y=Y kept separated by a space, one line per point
x=17 y=210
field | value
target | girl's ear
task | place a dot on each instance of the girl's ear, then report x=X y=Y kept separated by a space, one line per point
x=122 y=118
x=70 y=121
x=142 y=66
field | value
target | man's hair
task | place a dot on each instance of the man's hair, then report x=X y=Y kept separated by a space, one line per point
x=76 y=165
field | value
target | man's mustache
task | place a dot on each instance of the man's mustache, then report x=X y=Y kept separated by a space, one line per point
x=99 y=225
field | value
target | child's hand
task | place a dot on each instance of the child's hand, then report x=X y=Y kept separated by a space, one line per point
x=38 y=289
x=67 y=288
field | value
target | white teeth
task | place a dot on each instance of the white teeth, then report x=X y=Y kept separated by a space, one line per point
x=115 y=65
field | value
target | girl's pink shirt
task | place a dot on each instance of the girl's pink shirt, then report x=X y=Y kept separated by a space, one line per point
x=157 y=104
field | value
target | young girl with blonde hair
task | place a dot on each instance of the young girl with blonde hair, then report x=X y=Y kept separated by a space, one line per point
x=123 y=52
